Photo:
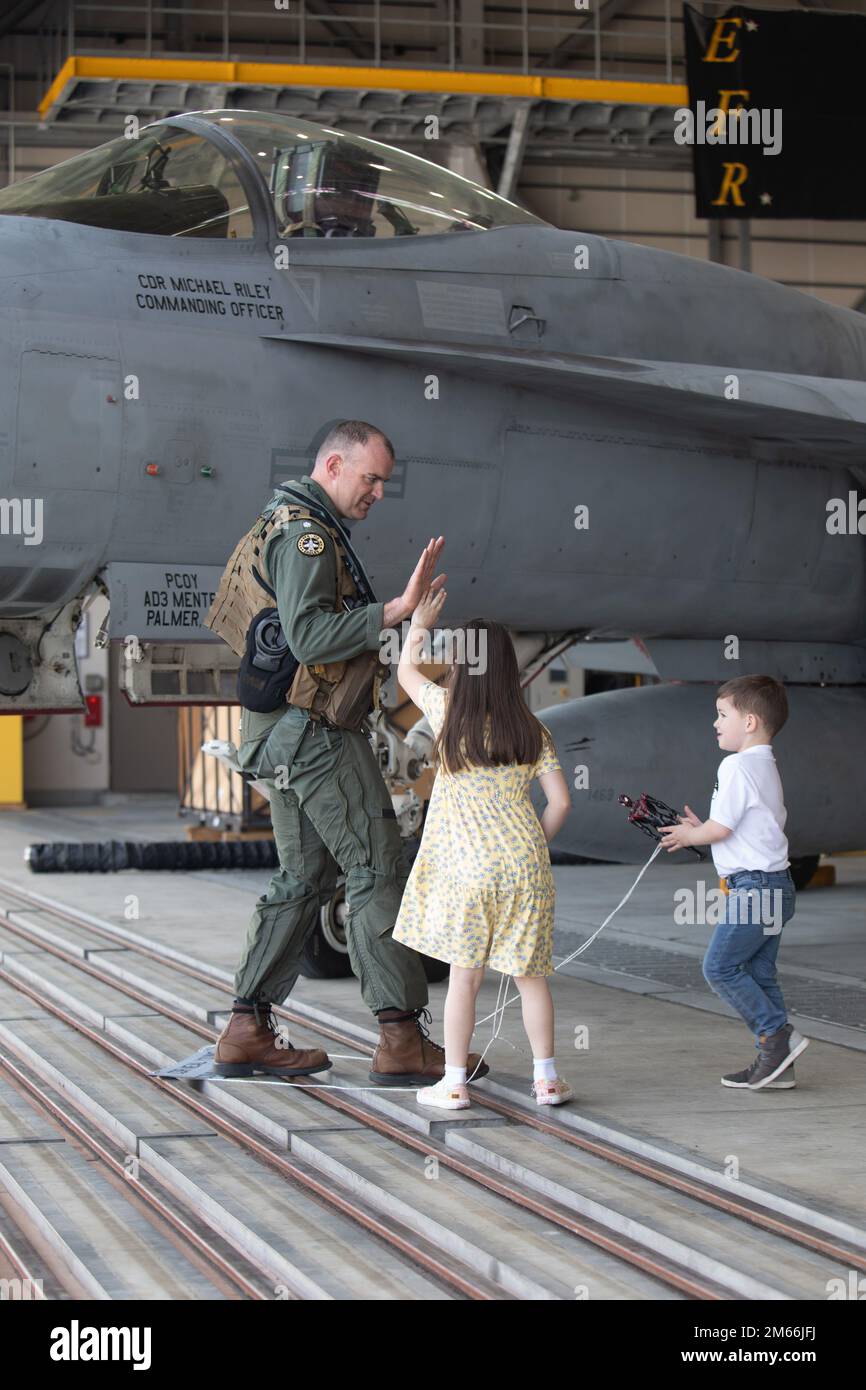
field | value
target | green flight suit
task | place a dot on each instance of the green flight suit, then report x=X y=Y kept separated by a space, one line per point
x=329 y=804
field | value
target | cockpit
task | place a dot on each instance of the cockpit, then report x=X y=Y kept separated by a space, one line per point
x=196 y=176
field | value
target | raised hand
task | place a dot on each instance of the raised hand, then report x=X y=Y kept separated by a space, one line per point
x=422 y=576
x=428 y=608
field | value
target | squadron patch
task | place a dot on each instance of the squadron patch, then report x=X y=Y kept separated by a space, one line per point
x=311 y=544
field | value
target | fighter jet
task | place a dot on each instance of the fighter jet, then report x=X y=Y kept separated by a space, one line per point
x=617 y=442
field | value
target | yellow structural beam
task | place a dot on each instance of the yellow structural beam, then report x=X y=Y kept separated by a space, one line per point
x=383 y=79
x=11 y=760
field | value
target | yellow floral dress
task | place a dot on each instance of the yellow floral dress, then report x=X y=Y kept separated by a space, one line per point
x=481 y=890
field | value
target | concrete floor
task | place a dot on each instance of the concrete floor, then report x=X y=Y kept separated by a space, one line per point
x=657 y=1039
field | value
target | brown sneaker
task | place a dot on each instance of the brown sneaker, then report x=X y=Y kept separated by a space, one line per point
x=407 y=1056
x=252 y=1042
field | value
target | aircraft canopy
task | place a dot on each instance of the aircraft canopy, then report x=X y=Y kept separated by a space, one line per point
x=173 y=180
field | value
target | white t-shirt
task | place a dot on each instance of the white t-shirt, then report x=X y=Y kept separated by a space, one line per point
x=749 y=800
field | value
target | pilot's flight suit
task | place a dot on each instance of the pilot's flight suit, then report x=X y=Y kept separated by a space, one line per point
x=328 y=800
x=329 y=804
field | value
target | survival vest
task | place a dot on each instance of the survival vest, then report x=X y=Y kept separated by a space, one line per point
x=342 y=692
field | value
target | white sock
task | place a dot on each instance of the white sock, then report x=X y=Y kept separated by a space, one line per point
x=454 y=1076
x=544 y=1068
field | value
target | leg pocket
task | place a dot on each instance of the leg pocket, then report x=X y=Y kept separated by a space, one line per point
x=278 y=751
x=286 y=825
x=389 y=867
x=373 y=901
x=374 y=888
x=386 y=843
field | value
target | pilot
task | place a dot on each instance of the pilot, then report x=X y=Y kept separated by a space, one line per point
x=328 y=799
x=345 y=212
x=339 y=195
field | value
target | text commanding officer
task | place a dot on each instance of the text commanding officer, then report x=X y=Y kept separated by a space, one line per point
x=303 y=729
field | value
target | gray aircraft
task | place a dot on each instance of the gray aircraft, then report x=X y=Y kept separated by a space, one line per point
x=616 y=442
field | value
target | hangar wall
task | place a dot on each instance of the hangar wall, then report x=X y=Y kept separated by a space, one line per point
x=612 y=179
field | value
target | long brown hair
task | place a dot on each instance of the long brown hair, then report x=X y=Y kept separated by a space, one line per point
x=513 y=734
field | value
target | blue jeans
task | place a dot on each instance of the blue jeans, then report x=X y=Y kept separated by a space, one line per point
x=740 y=964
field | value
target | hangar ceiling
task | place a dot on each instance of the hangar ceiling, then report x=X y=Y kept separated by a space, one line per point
x=526 y=93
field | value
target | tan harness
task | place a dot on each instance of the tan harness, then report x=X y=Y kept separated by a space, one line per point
x=341 y=692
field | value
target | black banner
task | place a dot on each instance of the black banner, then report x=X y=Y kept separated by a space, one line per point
x=796 y=148
x=200 y=1340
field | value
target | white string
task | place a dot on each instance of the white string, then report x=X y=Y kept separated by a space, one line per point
x=305 y=1085
x=498 y=1014
x=324 y=1086
x=590 y=939
x=500 y=1008
x=348 y=1056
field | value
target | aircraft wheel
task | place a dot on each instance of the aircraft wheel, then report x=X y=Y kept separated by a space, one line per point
x=802 y=870
x=435 y=970
x=326 y=955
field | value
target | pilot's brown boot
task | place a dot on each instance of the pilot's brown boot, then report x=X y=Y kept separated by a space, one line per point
x=252 y=1042
x=407 y=1056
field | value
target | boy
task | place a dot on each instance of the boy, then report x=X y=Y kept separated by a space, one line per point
x=746 y=831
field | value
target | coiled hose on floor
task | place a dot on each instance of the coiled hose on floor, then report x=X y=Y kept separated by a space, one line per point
x=109 y=856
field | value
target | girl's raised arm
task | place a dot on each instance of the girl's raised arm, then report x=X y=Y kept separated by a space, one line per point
x=423 y=619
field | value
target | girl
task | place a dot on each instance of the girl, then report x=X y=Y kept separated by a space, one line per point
x=481 y=891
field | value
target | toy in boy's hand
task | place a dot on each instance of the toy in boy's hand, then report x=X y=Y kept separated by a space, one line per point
x=652 y=816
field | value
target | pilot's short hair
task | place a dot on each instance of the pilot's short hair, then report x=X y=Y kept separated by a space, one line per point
x=346 y=434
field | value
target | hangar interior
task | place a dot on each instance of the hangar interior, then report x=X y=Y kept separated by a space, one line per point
x=565 y=110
